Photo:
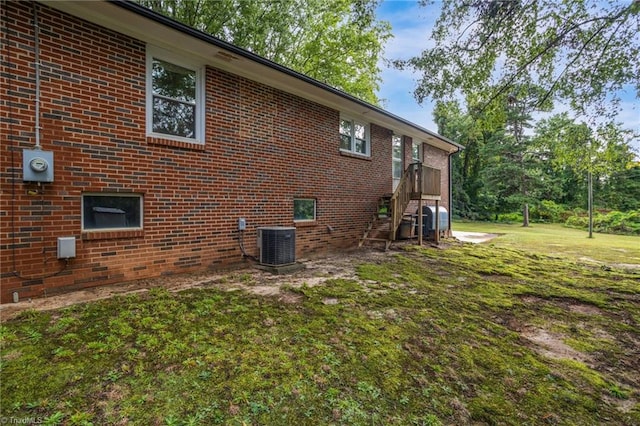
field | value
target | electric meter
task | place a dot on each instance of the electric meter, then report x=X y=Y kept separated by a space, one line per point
x=37 y=165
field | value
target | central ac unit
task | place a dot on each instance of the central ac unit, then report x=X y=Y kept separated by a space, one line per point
x=277 y=245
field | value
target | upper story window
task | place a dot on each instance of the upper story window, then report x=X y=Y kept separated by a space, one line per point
x=397 y=159
x=397 y=156
x=354 y=136
x=175 y=97
x=416 y=152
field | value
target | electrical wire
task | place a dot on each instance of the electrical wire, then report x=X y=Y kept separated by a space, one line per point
x=42 y=277
x=13 y=159
x=244 y=253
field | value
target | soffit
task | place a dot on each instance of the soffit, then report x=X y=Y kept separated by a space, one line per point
x=241 y=63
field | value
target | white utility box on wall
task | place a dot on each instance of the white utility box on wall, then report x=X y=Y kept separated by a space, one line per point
x=66 y=247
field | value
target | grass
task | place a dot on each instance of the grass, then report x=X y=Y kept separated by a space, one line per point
x=425 y=336
x=555 y=239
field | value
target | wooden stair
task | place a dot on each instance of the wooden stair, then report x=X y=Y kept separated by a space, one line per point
x=378 y=228
x=419 y=182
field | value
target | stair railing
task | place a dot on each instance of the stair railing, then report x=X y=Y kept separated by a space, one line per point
x=416 y=180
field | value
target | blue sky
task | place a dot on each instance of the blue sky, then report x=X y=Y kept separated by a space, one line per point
x=411 y=27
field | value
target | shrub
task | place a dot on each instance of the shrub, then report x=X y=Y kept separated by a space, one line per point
x=547 y=211
x=510 y=217
x=613 y=222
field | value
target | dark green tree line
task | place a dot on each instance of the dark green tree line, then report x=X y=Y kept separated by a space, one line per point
x=498 y=173
x=512 y=59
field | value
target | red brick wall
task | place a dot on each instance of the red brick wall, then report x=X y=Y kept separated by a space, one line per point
x=263 y=149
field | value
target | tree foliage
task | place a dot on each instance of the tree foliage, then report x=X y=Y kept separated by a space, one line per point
x=576 y=146
x=337 y=42
x=500 y=169
x=583 y=52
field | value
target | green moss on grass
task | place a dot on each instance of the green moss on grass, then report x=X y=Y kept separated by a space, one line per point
x=423 y=337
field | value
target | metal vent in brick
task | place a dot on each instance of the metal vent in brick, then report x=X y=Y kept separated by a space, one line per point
x=277 y=245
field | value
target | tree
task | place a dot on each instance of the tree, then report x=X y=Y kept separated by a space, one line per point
x=581 y=51
x=337 y=42
x=498 y=172
x=467 y=188
x=599 y=154
x=622 y=191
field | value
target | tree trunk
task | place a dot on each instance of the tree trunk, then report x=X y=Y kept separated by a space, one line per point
x=525 y=215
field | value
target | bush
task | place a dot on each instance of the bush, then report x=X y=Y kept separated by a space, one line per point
x=510 y=217
x=577 y=222
x=547 y=211
x=613 y=222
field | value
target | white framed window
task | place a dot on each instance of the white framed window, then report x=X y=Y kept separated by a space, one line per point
x=354 y=136
x=416 y=152
x=104 y=211
x=397 y=156
x=397 y=159
x=175 y=97
x=304 y=209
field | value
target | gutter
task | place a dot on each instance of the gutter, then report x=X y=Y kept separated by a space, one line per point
x=192 y=32
x=451 y=154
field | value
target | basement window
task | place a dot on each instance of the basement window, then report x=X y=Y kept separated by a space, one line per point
x=174 y=97
x=304 y=209
x=111 y=211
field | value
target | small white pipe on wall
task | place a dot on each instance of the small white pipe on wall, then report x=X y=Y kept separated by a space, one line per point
x=36 y=41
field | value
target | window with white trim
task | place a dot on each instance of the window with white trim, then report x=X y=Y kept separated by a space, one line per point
x=304 y=209
x=111 y=211
x=416 y=152
x=397 y=159
x=175 y=97
x=354 y=137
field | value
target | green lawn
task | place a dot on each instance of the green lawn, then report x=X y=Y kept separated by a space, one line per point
x=505 y=333
x=555 y=239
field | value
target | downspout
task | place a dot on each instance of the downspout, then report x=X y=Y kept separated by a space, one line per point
x=451 y=154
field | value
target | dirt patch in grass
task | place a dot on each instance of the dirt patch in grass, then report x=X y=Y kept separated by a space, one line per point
x=249 y=279
x=584 y=309
x=474 y=237
x=552 y=345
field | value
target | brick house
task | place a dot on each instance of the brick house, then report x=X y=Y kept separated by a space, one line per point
x=132 y=145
